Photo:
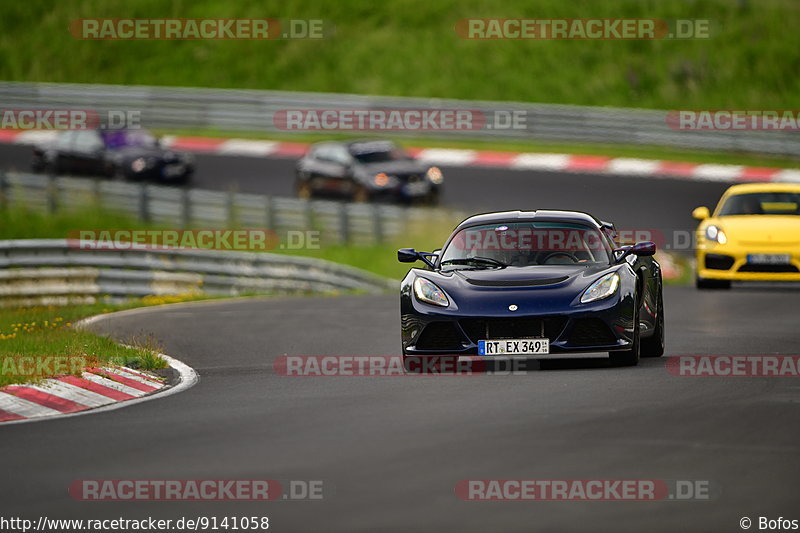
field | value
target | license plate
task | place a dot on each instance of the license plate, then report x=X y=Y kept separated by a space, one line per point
x=173 y=170
x=514 y=347
x=417 y=188
x=769 y=259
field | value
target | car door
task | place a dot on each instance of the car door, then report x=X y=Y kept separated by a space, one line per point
x=328 y=169
x=88 y=153
x=63 y=159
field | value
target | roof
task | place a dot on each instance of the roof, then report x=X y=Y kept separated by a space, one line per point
x=538 y=215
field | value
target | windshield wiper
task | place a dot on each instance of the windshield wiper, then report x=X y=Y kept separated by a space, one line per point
x=477 y=259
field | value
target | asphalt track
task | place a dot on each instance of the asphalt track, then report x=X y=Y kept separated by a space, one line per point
x=662 y=204
x=390 y=450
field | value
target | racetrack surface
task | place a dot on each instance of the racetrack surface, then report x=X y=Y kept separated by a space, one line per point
x=391 y=449
x=632 y=202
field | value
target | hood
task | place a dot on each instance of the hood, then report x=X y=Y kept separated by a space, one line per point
x=767 y=229
x=489 y=291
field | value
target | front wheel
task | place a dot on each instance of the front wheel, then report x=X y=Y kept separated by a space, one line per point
x=629 y=357
x=361 y=194
x=653 y=346
x=304 y=190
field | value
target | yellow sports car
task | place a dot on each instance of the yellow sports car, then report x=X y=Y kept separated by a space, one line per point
x=753 y=235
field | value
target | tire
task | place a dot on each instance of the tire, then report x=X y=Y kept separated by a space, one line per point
x=653 y=346
x=304 y=190
x=702 y=283
x=361 y=195
x=118 y=174
x=629 y=357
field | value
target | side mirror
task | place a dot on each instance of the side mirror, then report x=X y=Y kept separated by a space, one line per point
x=701 y=213
x=641 y=249
x=410 y=255
x=407 y=255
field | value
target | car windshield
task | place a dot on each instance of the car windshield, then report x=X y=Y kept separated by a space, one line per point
x=377 y=152
x=762 y=203
x=520 y=244
x=125 y=138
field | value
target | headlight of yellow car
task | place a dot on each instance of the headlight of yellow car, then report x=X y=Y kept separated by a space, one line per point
x=715 y=234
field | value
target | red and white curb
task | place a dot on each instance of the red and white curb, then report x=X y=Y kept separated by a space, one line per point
x=96 y=387
x=96 y=390
x=621 y=166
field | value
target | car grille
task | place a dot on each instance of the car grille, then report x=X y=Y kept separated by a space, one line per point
x=516 y=283
x=768 y=268
x=719 y=262
x=512 y=328
x=440 y=336
x=591 y=332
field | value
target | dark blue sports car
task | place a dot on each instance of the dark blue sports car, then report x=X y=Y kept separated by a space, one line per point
x=533 y=284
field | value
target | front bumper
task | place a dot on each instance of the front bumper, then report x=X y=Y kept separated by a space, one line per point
x=730 y=263
x=600 y=327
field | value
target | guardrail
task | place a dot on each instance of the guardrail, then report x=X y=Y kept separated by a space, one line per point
x=335 y=222
x=49 y=271
x=249 y=110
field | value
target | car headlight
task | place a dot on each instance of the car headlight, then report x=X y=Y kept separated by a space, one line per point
x=138 y=164
x=435 y=175
x=428 y=292
x=715 y=234
x=601 y=288
x=381 y=180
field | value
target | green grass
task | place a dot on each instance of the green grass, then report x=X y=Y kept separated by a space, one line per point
x=409 y=48
x=18 y=222
x=48 y=332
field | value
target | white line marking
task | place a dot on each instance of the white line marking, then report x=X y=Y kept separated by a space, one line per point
x=626 y=165
x=35 y=136
x=541 y=161
x=247 y=147
x=446 y=156
x=717 y=172
x=790 y=175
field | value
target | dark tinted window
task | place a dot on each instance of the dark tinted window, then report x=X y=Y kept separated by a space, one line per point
x=762 y=203
x=530 y=243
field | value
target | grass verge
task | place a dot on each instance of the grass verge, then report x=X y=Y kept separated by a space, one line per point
x=32 y=338
x=410 y=48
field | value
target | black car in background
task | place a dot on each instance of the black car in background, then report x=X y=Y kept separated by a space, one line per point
x=364 y=171
x=119 y=154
